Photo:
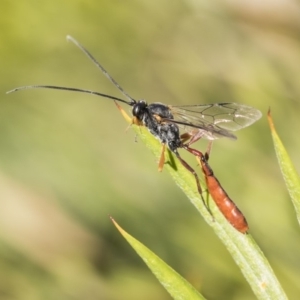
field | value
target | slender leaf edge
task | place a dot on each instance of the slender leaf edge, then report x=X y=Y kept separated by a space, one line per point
x=288 y=171
x=178 y=287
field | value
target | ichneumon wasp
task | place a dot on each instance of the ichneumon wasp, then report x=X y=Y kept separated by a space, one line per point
x=210 y=121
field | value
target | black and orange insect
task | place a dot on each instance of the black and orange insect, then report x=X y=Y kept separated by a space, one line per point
x=209 y=121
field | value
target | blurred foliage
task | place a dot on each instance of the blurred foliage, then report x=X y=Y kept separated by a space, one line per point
x=66 y=162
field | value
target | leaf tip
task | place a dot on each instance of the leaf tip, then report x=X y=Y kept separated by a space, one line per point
x=113 y=220
x=122 y=231
x=270 y=120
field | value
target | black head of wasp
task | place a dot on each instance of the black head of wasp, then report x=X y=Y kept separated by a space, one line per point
x=209 y=121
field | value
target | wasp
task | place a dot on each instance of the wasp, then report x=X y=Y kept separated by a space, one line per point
x=167 y=122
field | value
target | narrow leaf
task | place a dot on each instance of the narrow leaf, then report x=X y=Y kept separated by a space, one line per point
x=242 y=247
x=178 y=287
x=288 y=171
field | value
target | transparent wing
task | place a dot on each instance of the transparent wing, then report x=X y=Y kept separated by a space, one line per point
x=213 y=121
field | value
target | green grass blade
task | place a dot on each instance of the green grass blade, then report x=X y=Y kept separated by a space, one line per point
x=177 y=286
x=242 y=247
x=288 y=171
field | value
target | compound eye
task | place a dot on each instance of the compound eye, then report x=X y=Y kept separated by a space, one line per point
x=139 y=109
x=136 y=110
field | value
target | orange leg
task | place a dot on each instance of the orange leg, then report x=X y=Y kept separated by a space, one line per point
x=162 y=158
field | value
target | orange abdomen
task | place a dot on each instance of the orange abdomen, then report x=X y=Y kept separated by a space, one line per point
x=226 y=205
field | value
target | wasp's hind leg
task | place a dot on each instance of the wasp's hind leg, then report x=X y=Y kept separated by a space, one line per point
x=206 y=202
x=199 y=156
x=193 y=172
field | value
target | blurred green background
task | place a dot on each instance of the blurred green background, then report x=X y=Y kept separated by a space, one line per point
x=66 y=162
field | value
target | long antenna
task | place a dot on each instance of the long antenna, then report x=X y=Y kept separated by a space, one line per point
x=66 y=89
x=91 y=57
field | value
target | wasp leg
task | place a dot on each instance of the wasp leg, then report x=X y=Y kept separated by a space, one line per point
x=199 y=155
x=207 y=204
x=185 y=137
x=198 y=159
x=191 y=138
x=207 y=153
x=195 y=137
x=162 y=158
x=191 y=170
